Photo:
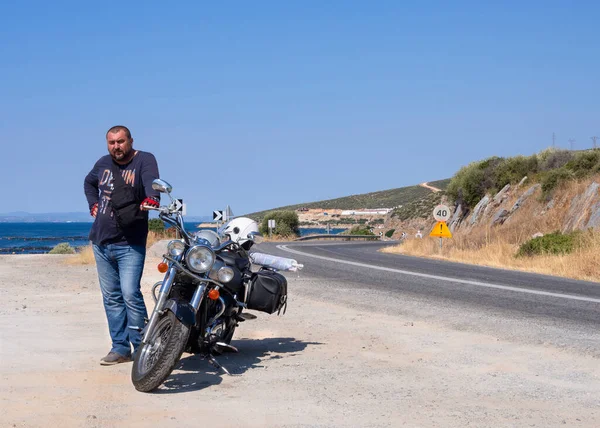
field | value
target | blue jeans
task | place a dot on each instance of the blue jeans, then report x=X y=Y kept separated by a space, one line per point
x=120 y=272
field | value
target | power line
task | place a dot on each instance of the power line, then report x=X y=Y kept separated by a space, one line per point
x=594 y=139
x=572 y=142
x=553 y=140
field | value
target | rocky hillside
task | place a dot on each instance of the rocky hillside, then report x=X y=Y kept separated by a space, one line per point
x=572 y=207
x=559 y=192
x=521 y=227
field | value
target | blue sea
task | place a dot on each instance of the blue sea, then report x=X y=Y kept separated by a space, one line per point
x=40 y=238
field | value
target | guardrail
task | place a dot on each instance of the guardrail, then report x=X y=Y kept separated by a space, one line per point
x=340 y=237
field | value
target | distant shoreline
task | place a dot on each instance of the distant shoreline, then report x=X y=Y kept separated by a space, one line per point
x=213 y=225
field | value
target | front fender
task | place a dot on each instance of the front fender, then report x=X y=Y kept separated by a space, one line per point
x=182 y=310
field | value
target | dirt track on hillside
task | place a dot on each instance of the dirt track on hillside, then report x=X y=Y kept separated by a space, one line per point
x=428 y=186
x=325 y=363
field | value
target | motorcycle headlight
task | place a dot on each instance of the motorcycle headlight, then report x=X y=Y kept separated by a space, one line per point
x=200 y=258
x=225 y=274
x=175 y=248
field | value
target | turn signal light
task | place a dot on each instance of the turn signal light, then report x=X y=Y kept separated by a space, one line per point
x=163 y=267
x=213 y=294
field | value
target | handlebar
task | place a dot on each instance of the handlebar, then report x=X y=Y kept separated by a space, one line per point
x=166 y=215
x=162 y=209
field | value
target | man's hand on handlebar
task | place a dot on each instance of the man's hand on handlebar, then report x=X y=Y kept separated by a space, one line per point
x=149 y=203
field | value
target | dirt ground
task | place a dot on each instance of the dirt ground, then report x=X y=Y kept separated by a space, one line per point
x=328 y=362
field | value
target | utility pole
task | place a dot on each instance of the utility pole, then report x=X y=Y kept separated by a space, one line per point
x=572 y=142
x=594 y=139
x=553 y=140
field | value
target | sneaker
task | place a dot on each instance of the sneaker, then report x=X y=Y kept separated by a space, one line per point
x=113 y=358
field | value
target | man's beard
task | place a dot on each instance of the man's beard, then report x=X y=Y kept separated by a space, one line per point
x=120 y=155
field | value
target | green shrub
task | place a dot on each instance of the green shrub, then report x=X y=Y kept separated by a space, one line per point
x=584 y=163
x=551 y=179
x=389 y=233
x=156 y=225
x=286 y=223
x=550 y=166
x=553 y=159
x=360 y=230
x=473 y=181
x=552 y=243
x=62 y=248
x=512 y=170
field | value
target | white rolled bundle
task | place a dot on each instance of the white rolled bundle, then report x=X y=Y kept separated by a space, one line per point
x=275 y=262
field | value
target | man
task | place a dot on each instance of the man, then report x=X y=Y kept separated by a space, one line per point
x=120 y=252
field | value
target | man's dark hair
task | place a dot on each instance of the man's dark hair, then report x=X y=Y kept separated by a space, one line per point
x=118 y=128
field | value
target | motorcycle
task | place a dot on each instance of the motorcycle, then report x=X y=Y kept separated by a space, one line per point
x=208 y=284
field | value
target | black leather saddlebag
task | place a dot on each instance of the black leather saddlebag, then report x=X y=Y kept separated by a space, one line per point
x=268 y=292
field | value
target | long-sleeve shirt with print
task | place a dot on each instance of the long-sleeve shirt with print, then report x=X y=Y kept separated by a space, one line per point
x=98 y=186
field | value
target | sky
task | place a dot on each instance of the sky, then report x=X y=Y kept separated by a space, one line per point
x=267 y=103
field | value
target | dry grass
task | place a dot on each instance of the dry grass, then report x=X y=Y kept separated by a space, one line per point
x=84 y=256
x=496 y=247
x=279 y=238
x=154 y=237
x=581 y=264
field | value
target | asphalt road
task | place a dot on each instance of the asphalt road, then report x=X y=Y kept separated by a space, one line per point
x=510 y=293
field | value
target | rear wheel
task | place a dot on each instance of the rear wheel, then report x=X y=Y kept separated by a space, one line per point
x=154 y=361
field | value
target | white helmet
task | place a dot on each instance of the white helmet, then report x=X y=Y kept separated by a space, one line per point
x=238 y=229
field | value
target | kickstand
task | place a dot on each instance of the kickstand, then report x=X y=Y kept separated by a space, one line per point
x=215 y=363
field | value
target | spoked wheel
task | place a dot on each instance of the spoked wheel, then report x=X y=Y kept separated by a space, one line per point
x=154 y=361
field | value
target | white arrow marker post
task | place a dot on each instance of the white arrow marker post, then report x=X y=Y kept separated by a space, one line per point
x=179 y=206
x=218 y=217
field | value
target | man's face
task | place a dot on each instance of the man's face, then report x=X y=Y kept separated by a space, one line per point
x=119 y=146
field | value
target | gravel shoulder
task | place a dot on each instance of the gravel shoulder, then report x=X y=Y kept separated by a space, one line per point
x=347 y=358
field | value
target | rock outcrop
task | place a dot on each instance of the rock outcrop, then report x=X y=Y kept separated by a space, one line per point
x=584 y=211
x=501 y=195
x=492 y=210
x=457 y=217
x=523 y=180
x=500 y=217
x=524 y=198
x=479 y=209
x=579 y=213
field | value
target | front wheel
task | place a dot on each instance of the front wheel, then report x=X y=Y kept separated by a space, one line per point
x=154 y=361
